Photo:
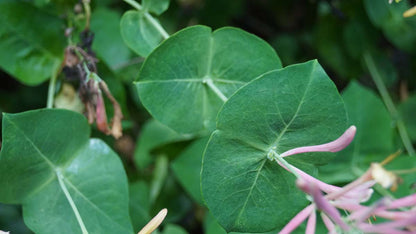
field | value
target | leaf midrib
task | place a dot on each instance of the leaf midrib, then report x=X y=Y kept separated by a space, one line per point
x=275 y=143
x=249 y=193
x=297 y=110
x=54 y=168
x=201 y=80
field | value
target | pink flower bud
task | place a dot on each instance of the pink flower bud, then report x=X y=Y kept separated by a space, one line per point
x=334 y=146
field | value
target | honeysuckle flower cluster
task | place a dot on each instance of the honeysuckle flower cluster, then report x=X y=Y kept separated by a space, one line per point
x=328 y=199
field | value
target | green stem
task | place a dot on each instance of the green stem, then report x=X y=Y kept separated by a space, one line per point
x=150 y=18
x=157 y=25
x=87 y=9
x=52 y=84
x=376 y=76
x=71 y=202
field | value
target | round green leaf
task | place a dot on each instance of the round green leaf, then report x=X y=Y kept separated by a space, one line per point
x=292 y=107
x=185 y=81
x=40 y=145
x=139 y=33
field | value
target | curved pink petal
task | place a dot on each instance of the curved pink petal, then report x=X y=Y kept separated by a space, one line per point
x=334 y=146
x=297 y=220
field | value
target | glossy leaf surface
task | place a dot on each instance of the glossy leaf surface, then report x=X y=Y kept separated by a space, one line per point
x=40 y=145
x=292 y=107
x=185 y=81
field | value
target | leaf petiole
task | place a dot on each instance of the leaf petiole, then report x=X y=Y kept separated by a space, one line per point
x=52 y=84
x=272 y=155
x=150 y=18
x=69 y=198
x=214 y=88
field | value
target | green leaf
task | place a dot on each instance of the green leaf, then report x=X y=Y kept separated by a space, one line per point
x=152 y=135
x=407 y=111
x=156 y=6
x=211 y=226
x=174 y=229
x=186 y=80
x=108 y=43
x=139 y=33
x=374 y=135
x=28 y=51
x=406 y=166
x=11 y=219
x=389 y=18
x=187 y=168
x=38 y=164
x=358 y=37
x=173 y=198
x=287 y=108
x=139 y=205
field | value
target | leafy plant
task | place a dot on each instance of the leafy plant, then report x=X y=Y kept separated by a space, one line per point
x=206 y=122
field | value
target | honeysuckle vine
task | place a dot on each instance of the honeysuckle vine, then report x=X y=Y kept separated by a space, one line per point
x=334 y=146
x=326 y=198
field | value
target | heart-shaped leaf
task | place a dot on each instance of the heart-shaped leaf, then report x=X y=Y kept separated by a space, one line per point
x=49 y=165
x=283 y=109
x=186 y=80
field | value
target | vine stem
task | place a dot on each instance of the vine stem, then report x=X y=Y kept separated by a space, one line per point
x=279 y=159
x=52 y=84
x=87 y=8
x=71 y=202
x=389 y=103
x=150 y=18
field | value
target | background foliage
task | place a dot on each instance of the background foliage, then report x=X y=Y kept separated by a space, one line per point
x=356 y=42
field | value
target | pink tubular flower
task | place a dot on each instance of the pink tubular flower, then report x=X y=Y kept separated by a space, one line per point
x=334 y=146
x=328 y=199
